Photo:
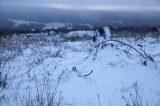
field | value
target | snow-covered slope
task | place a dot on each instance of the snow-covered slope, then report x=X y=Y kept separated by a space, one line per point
x=21 y=22
x=54 y=25
x=78 y=74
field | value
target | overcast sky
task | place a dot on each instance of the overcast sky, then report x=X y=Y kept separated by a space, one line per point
x=87 y=4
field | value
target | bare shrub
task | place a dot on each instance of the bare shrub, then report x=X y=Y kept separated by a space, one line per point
x=78 y=38
x=45 y=94
x=3 y=82
x=134 y=99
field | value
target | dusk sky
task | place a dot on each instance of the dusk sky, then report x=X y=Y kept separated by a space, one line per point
x=87 y=4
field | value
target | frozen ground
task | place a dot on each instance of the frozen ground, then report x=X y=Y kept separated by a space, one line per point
x=48 y=68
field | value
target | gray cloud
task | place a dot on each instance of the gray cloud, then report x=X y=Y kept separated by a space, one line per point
x=71 y=4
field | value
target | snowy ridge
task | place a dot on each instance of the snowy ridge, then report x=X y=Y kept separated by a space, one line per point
x=21 y=22
x=54 y=25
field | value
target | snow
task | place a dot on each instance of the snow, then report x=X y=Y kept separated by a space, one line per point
x=55 y=25
x=80 y=33
x=21 y=22
x=115 y=74
x=107 y=32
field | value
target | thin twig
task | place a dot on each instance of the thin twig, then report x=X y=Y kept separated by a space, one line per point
x=99 y=100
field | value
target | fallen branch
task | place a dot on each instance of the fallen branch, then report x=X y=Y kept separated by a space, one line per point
x=112 y=40
x=88 y=74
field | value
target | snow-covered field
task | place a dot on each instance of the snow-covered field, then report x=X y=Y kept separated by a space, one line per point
x=44 y=70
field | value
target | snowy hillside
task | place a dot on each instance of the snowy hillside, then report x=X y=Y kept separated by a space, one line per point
x=42 y=70
x=55 y=25
x=21 y=22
